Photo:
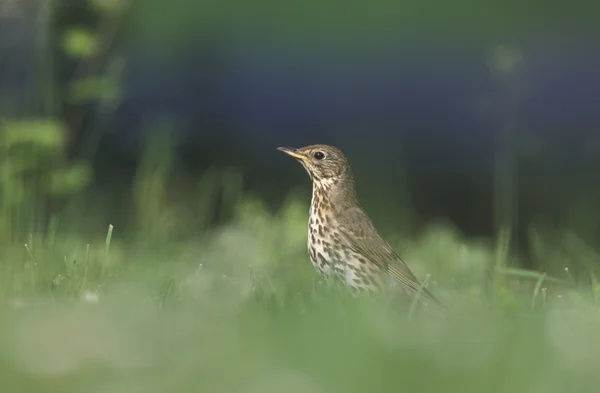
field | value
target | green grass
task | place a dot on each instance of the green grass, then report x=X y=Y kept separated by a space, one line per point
x=239 y=309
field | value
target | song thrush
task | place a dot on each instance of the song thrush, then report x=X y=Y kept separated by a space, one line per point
x=342 y=241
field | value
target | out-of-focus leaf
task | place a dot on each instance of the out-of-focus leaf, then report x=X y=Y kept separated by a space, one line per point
x=80 y=43
x=42 y=132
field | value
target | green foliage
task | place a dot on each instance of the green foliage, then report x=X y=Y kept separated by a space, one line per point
x=32 y=167
x=79 y=43
x=32 y=170
x=98 y=69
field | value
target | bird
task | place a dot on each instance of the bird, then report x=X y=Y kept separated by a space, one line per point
x=343 y=244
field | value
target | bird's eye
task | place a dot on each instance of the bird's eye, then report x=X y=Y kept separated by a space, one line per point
x=319 y=155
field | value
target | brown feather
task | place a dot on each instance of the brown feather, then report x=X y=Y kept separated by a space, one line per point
x=362 y=237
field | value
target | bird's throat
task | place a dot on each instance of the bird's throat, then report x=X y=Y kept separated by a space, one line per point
x=334 y=193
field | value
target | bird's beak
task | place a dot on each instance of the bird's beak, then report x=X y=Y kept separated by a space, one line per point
x=293 y=152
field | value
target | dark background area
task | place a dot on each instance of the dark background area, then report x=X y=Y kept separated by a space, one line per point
x=446 y=111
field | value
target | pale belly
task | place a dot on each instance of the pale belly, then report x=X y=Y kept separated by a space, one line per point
x=339 y=265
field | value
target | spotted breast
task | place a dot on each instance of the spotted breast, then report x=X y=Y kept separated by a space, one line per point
x=330 y=254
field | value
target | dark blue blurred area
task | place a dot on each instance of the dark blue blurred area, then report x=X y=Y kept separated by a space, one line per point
x=302 y=93
x=433 y=109
x=417 y=101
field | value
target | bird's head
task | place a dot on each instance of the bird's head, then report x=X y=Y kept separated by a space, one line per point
x=325 y=164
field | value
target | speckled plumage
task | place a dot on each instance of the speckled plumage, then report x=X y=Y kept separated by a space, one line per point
x=342 y=241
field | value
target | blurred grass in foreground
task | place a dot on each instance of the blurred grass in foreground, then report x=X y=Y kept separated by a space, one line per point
x=238 y=308
x=241 y=310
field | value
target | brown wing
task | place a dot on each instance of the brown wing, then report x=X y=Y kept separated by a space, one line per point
x=362 y=237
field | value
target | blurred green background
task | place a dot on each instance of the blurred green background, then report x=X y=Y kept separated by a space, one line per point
x=152 y=239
